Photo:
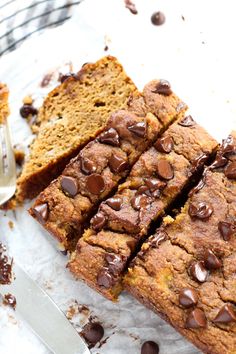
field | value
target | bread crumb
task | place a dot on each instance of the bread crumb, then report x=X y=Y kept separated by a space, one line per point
x=11 y=224
x=28 y=100
x=19 y=156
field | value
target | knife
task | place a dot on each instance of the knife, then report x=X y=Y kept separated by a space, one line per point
x=43 y=316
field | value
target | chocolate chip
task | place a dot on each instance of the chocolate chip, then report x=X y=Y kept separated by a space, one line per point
x=93 y=332
x=69 y=185
x=10 y=300
x=198 y=162
x=163 y=88
x=188 y=297
x=28 y=110
x=187 y=121
x=95 y=184
x=200 y=210
x=115 y=263
x=230 y=170
x=110 y=137
x=114 y=203
x=117 y=164
x=220 y=161
x=226 y=230
x=105 y=278
x=144 y=190
x=158 y=18
x=98 y=221
x=153 y=184
x=180 y=107
x=64 y=77
x=164 y=169
x=41 y=212
x=139 y=201
x=198 y=271
x=87 y=166
x=150 y=347
x=138 y=129
x=164 y=144
x=196 y=319
x=226 y=314
x=211 y=261
x=131 y=7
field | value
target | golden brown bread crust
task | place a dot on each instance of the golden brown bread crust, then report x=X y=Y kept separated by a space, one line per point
x=205 y=235
x=155 y=181
x=71 y=115
x=66 y=215
x=4 y=108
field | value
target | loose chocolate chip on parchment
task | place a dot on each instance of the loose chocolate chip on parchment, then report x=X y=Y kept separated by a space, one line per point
x=158 y=18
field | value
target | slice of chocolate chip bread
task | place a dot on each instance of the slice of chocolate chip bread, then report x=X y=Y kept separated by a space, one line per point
x=73 y=114
x=186 y=271
x=4 y=109
x=66 y=205
x=123 y=221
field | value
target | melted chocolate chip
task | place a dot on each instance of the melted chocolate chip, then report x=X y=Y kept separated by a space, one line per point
x=139 y=201
x=138 y=129
x=228 y=146
x=158 y=18
x=10 y=300
x=226 y=230
x=98 y=221
x=211 y=261
x=114 y=203
x=64 y=77
x=154 y=184
x=164 y=144
x=115 y=263
x=200 y=210
x=144 y=190
x=155 y=240
x=131 y=7
x=230 y=170
x=87 y=166
x=226 y=314
x=163 y=88
x=95 y=184
x=110 y=137
x=220 y=161
x=187 y=121
x=117 y=164
x=198 y=271
x=92 y=332
x=105 y=278
x=28 y=110
x=198 y=162
x=164 y=169
x=41 y=212
x=188 y=297
x=200 y=184
x=196 y=319
x=69 y=185
x=150 y=347
x=5 y=267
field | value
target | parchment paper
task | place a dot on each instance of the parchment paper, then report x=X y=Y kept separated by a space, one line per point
x=193 y=50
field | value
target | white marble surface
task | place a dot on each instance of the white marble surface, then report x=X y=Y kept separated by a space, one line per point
x=203 y=74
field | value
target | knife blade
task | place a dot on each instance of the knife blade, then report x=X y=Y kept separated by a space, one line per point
x=43 y=316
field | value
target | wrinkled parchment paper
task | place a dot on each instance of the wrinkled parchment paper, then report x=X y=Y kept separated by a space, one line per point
x=193 y=51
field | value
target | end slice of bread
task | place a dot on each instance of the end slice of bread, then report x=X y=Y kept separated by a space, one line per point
x=71 y=115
